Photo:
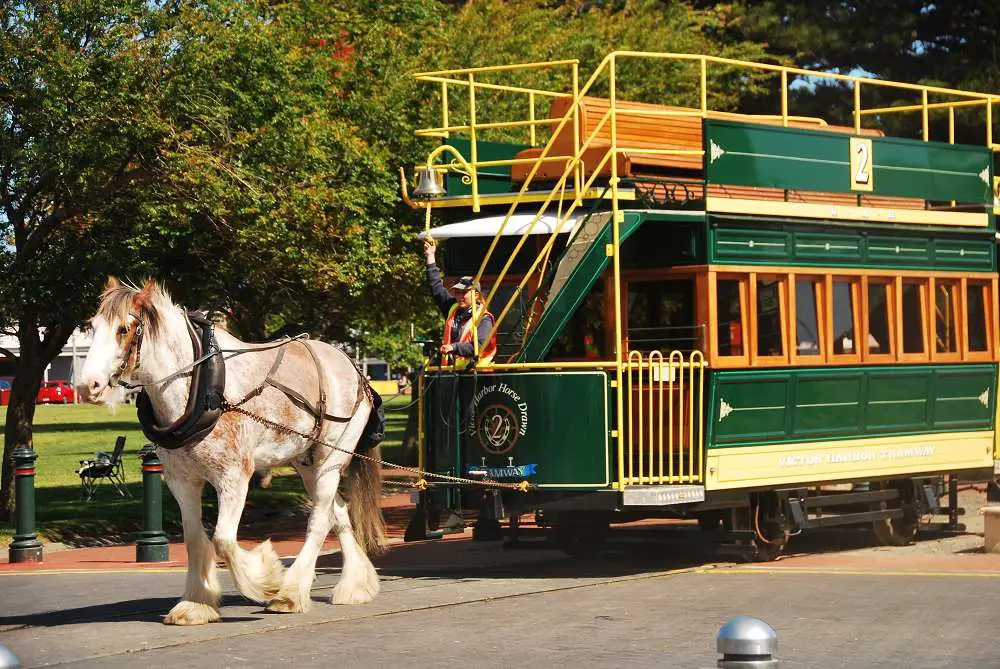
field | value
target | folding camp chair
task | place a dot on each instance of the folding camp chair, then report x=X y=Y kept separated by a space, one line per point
x=104 y=467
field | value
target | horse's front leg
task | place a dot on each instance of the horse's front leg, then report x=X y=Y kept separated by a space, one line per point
x=202 y=592
x=294 y=595
x=258 y=572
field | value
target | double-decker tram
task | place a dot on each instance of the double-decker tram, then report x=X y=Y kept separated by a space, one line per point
x=765 y=322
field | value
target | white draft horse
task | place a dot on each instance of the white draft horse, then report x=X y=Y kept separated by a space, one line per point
x=141 y=337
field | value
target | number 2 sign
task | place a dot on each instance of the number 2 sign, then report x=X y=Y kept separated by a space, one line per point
x=862 y=175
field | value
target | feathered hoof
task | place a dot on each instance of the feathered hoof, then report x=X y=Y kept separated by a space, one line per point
x=358 y=592
x=287 y=604
x=192 y=613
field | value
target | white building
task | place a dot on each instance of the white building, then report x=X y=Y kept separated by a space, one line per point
x=66 y=366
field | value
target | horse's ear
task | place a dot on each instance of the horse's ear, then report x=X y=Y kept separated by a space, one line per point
x=145 y=296
x=112 y=283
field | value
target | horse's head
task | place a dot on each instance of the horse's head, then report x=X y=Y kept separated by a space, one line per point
x=126 y=316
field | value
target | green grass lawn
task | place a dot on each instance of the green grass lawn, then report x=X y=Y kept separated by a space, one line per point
x=64 y=435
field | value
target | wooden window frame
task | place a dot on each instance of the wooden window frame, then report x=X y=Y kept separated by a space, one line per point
x=854 y=281
x=755 y=357
x=648 y=275
x=957 y=311
x=890 y=308
x=988 y=317
x=922 y=284
x=715 y=359
x=819 y=298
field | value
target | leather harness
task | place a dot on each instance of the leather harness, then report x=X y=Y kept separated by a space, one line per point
x=206 y=400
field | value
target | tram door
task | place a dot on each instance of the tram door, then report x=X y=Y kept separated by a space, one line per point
x=663 y=403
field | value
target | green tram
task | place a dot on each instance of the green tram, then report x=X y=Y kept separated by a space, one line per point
x=763 y=322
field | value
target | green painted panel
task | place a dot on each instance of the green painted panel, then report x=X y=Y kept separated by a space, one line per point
x=964 y=254
x=491 y=179
x=844 y=403
x=963 y=398
x=798 y=159
x=750 y=243
x=750 y=408
x=825 y=402
x=588 y=254
x=827 y=248
x=899 y=401
x=495 y=420
x=899 y=250
x=732 y=242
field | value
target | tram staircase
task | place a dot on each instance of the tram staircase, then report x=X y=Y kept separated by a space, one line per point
x=661 y=461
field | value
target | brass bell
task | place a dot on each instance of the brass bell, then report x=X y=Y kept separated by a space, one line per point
x=429 y=184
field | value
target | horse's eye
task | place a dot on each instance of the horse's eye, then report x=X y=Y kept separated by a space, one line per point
x=122 y=331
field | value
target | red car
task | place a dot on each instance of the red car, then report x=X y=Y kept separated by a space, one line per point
x=55 y=392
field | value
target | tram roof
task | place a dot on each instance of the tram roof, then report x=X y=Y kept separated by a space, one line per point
x=488 y=226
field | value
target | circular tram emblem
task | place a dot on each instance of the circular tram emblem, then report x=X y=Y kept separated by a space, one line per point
x=497 y=428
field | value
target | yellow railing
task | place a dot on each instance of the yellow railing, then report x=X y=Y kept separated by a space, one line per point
x=663 y=426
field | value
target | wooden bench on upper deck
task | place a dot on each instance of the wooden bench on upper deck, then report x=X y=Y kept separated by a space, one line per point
x=649 y=126
x=640 y=126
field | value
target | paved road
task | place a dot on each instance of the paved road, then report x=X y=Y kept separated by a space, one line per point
x=468 y=604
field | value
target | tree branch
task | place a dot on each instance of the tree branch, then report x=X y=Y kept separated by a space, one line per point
x=38 y=236
x=7 y=353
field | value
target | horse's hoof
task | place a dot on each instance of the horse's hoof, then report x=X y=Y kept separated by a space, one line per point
x=354 y=593
x=192 y=613
x=286 y=605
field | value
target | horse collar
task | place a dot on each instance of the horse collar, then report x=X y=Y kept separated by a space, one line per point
x=205 y=399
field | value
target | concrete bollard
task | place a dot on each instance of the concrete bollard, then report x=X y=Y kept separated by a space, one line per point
x=25 y=547
x=7 y=658
x=747 y=643
x=991 y=528
x=152 y=544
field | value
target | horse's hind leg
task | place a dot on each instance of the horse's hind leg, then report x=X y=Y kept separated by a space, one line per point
x=200 y=603
x=258 y=572
x=294 y=595
x=358 y=579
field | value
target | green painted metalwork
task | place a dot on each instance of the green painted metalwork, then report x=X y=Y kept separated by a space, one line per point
x=491 y=179
x=736 y=244
x=152 y=544
x=501 y=420
x=25 y=547
x=587 y=255
x=798 y=159
x=750 y=407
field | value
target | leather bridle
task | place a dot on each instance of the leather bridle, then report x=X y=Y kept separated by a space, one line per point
x=130 y=361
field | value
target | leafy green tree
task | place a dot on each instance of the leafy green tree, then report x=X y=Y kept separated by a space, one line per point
x=215 y=146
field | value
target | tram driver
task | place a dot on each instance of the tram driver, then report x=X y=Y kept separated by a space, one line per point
x=456 y=305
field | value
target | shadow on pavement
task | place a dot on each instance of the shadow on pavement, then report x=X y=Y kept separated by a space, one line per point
x=135 y=610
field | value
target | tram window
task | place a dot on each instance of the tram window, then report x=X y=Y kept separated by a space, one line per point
x=945 y=316
x=913 y=317
x=583 y=336
x=808 y=296
x=879 y=308
x=730 y=314
x=977 y=316
x=769 y=317
x=844 y=339
x=661 y=315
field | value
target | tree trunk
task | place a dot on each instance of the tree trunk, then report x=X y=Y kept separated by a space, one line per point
x=35 y=356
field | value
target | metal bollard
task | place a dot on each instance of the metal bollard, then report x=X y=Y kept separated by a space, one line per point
x=152 y=544
x=25 y=547
x=747 y=643
x=7 y=658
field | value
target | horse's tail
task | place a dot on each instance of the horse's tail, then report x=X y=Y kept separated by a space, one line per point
x=364 y=490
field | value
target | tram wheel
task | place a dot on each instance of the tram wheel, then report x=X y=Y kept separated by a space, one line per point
x=771 y=534
x=898 y=531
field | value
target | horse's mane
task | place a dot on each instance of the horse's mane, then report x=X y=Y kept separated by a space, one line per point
x=121 y=299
